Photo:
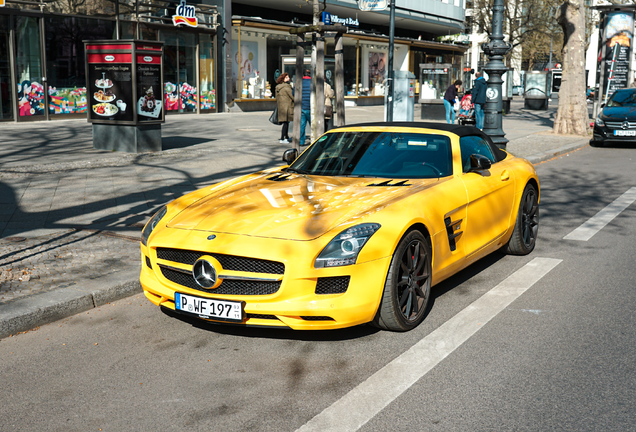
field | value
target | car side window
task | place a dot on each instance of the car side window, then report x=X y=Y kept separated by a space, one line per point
x=473 y=144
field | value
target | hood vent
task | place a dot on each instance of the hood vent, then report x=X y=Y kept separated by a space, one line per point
x=279 y=177
x=388 y=183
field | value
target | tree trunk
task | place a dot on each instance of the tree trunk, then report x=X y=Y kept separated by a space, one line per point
x=572 y=115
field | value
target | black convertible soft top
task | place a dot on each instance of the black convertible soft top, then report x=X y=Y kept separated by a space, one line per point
x=458 y=130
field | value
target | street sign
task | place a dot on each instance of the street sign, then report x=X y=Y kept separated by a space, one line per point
x=1 y=3
x=373 y=5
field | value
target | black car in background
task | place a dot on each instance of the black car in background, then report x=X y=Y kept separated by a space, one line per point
x=617 y=120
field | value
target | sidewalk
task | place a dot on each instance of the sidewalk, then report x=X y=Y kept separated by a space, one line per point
x=71 y=216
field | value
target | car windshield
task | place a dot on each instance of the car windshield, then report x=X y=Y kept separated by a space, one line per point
x=377 y=154
x=623 y=99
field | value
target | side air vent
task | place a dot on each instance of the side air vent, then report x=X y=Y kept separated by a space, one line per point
x=388 y=183
x=453 y=230
x=279 y=177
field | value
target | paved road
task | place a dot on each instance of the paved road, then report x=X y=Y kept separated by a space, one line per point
x=77 y=212
x=558 y=356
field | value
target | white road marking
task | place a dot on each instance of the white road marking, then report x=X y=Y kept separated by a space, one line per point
x=602 y=218
x=362 y=403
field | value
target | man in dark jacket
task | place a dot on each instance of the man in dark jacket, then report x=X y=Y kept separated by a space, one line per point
x=479 y=99
x=305 y=116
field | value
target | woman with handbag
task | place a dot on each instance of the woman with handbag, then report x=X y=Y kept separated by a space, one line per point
x=328 y=106
x=284 y=105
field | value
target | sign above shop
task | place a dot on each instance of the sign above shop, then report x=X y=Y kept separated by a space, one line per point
x=184 y=15
x=435 y=71
x=330 y=19
x=373 y=5
x=1 y=3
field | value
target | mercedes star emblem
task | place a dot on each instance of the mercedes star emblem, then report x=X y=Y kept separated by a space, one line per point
x=625 y=125
x=204 y=273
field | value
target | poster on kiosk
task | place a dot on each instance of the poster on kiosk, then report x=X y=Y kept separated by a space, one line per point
x=125 y=82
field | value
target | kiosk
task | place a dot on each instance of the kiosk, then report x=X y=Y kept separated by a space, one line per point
x=124 y=88
x=434 y=80
x=536 y=90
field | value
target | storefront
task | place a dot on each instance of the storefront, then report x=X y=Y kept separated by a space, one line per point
x=267 y=47
x=42 y=60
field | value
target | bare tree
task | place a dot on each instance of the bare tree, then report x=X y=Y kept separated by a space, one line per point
x=572 y=115
x=529 y=24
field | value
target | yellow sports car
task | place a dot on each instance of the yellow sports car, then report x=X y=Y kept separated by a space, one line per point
x=354 y=230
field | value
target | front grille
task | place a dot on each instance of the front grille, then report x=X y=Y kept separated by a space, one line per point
x=332 y=285
x=228 y=286
x=619 y=125
x=229 y=262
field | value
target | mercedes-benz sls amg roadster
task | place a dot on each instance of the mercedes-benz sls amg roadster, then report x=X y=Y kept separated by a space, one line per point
x=356 y=229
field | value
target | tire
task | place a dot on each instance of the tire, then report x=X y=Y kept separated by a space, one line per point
x=596 y=143
x=526 y=228
x=407 y=289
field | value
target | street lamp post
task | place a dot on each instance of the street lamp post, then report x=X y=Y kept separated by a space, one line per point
x=496 y=49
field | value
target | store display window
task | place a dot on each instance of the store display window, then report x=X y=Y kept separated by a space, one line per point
x=65 y=61
x=29 y=67
x=6 y=94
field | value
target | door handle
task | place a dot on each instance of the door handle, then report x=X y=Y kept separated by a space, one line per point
x=505 y=176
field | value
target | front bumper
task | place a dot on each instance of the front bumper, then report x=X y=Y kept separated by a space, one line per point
x=294 y=304
x=605 y=133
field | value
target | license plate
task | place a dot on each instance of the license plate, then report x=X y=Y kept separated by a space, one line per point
x=221 y=310
x=625 y=133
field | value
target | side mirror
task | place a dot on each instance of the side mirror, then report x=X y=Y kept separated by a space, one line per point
x=290 y=155
x=602 y=105
x=479 y=162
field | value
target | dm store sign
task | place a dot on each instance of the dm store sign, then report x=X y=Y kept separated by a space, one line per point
x=185 y=15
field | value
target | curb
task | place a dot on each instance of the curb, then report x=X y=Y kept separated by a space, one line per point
x=30 y=312
x=542 y=157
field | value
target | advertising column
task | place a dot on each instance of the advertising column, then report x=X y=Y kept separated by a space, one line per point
x=125 y=93
x=618 y=37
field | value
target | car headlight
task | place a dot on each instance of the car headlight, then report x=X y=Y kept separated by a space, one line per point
x=599 y=122
x=152 y=223
x=343 y=250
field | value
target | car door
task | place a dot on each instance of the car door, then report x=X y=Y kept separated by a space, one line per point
x=490 y=195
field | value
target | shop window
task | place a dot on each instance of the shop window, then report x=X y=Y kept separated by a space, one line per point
x=147 y=33
x=29 y=67
x=6 y=95
x=127 y=30
x=180 y=85
x=65 y=61
x=277 y=47
x=206 y=72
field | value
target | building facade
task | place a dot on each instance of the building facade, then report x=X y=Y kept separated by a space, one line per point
x=226 y=56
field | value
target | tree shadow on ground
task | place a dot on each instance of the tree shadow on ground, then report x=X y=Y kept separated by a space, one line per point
x=180 y=142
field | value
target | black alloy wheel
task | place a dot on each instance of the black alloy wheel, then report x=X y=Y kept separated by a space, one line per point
x=524 y=236
x=407 y=289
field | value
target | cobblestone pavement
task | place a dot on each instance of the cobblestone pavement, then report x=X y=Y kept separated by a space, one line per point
x=31 y=266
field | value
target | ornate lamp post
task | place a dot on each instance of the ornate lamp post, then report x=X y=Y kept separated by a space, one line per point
x=496 y=49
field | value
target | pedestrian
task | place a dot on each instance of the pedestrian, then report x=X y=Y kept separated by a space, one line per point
x=450 y=97
x=328 y=106
x=479 y=99
x=285 y=105
x=305 y=113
